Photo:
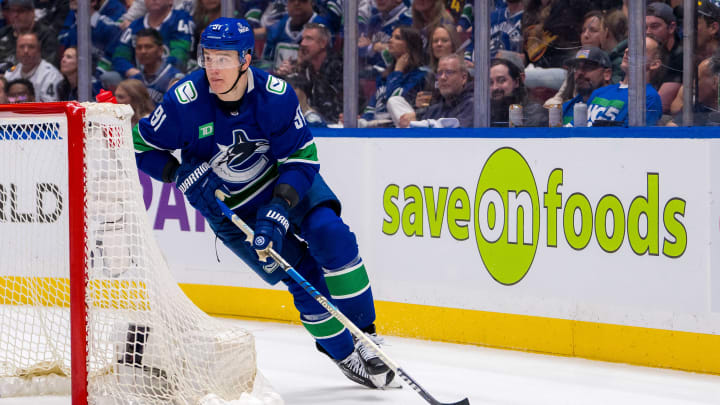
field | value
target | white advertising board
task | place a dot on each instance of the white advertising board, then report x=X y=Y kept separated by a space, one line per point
x=601 y=230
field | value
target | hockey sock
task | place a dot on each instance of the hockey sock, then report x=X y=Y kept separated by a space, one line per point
x=331 y=336
x=350 y=290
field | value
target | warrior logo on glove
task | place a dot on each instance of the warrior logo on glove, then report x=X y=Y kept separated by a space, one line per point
x=278 y=217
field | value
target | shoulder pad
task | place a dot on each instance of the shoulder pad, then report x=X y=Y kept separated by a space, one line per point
x=275 y=85
x=186 y=92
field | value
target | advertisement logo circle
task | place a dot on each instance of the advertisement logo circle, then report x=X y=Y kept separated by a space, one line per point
x=507 y=216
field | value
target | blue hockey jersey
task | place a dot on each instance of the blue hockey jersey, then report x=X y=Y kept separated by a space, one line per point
x=282 y=42
x=264 y=142
x=158 y=83
x=105 y=31
x=610 y=103
x=177 y=33
x=395 y=84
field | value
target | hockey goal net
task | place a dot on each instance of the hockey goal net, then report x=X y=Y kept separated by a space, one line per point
x=84 y=290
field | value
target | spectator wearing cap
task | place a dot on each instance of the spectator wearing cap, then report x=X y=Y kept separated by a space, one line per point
x=44 y=76
x=283 y=38
x=662 y=23
x=708 y=29
x=608 y=105
x=155 y=72
x=21 y=15
x=591 y=69
x=507 y=87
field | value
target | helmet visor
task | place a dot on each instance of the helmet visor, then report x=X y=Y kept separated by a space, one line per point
x=218 y=58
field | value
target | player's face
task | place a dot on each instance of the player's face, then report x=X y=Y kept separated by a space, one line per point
x=28 y=50
x=501 y=83
x=147 y=51
x=221 y=67
x=441 y=43
x=68 y=63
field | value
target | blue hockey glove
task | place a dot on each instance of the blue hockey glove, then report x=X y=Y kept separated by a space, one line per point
x=198 y=182
x=271 y=226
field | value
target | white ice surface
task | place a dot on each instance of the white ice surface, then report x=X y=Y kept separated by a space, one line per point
x=287 y=357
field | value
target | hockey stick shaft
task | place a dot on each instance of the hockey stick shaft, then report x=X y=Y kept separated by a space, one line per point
x=331 y=308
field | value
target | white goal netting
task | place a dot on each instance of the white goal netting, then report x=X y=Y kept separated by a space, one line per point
x=147 y=343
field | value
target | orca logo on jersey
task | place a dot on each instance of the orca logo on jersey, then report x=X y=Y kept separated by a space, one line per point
x=243 y=161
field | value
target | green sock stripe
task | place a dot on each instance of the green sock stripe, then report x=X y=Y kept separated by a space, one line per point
x=324 y=329
x=348 y=283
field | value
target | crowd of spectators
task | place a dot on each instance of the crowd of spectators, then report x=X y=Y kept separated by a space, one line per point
x=416 y=56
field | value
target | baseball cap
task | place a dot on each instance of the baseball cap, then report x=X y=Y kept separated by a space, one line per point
x=709 y=8
x=661 y=11
x=592 y=54
x=21 y=3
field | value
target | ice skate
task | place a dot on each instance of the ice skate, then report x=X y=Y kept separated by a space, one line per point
x=373 y=363
x=354 y=369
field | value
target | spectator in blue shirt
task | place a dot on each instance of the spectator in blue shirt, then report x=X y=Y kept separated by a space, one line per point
x=591 y=69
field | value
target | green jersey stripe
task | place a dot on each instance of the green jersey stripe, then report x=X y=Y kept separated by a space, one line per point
x=308 y=153
x=324 y=329
x=348 y=283
x=240 y=197
x=138 y=141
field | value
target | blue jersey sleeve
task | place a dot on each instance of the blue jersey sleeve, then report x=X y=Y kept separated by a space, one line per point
x=406 y=85
x=124 y=52
x=180 y=39
x=156 y=137
x=291 y=142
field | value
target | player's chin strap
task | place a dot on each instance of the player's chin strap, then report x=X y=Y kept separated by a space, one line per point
x=240 y=73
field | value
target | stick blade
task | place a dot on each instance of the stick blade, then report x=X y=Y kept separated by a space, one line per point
x=463 y=402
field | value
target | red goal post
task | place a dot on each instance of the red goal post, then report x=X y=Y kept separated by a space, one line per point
x=84 y=289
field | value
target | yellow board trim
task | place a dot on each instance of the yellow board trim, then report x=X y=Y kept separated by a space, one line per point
x=688 y=351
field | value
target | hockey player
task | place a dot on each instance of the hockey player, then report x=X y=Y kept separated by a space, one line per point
x=241 y=131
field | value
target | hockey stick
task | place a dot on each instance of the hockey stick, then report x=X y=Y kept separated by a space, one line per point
x=334 y=311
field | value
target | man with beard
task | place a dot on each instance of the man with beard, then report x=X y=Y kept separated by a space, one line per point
x=317 y=72
x=507 y=87
x=592 y=69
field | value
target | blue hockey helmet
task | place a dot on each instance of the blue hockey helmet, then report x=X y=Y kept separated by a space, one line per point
x=229 y=34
